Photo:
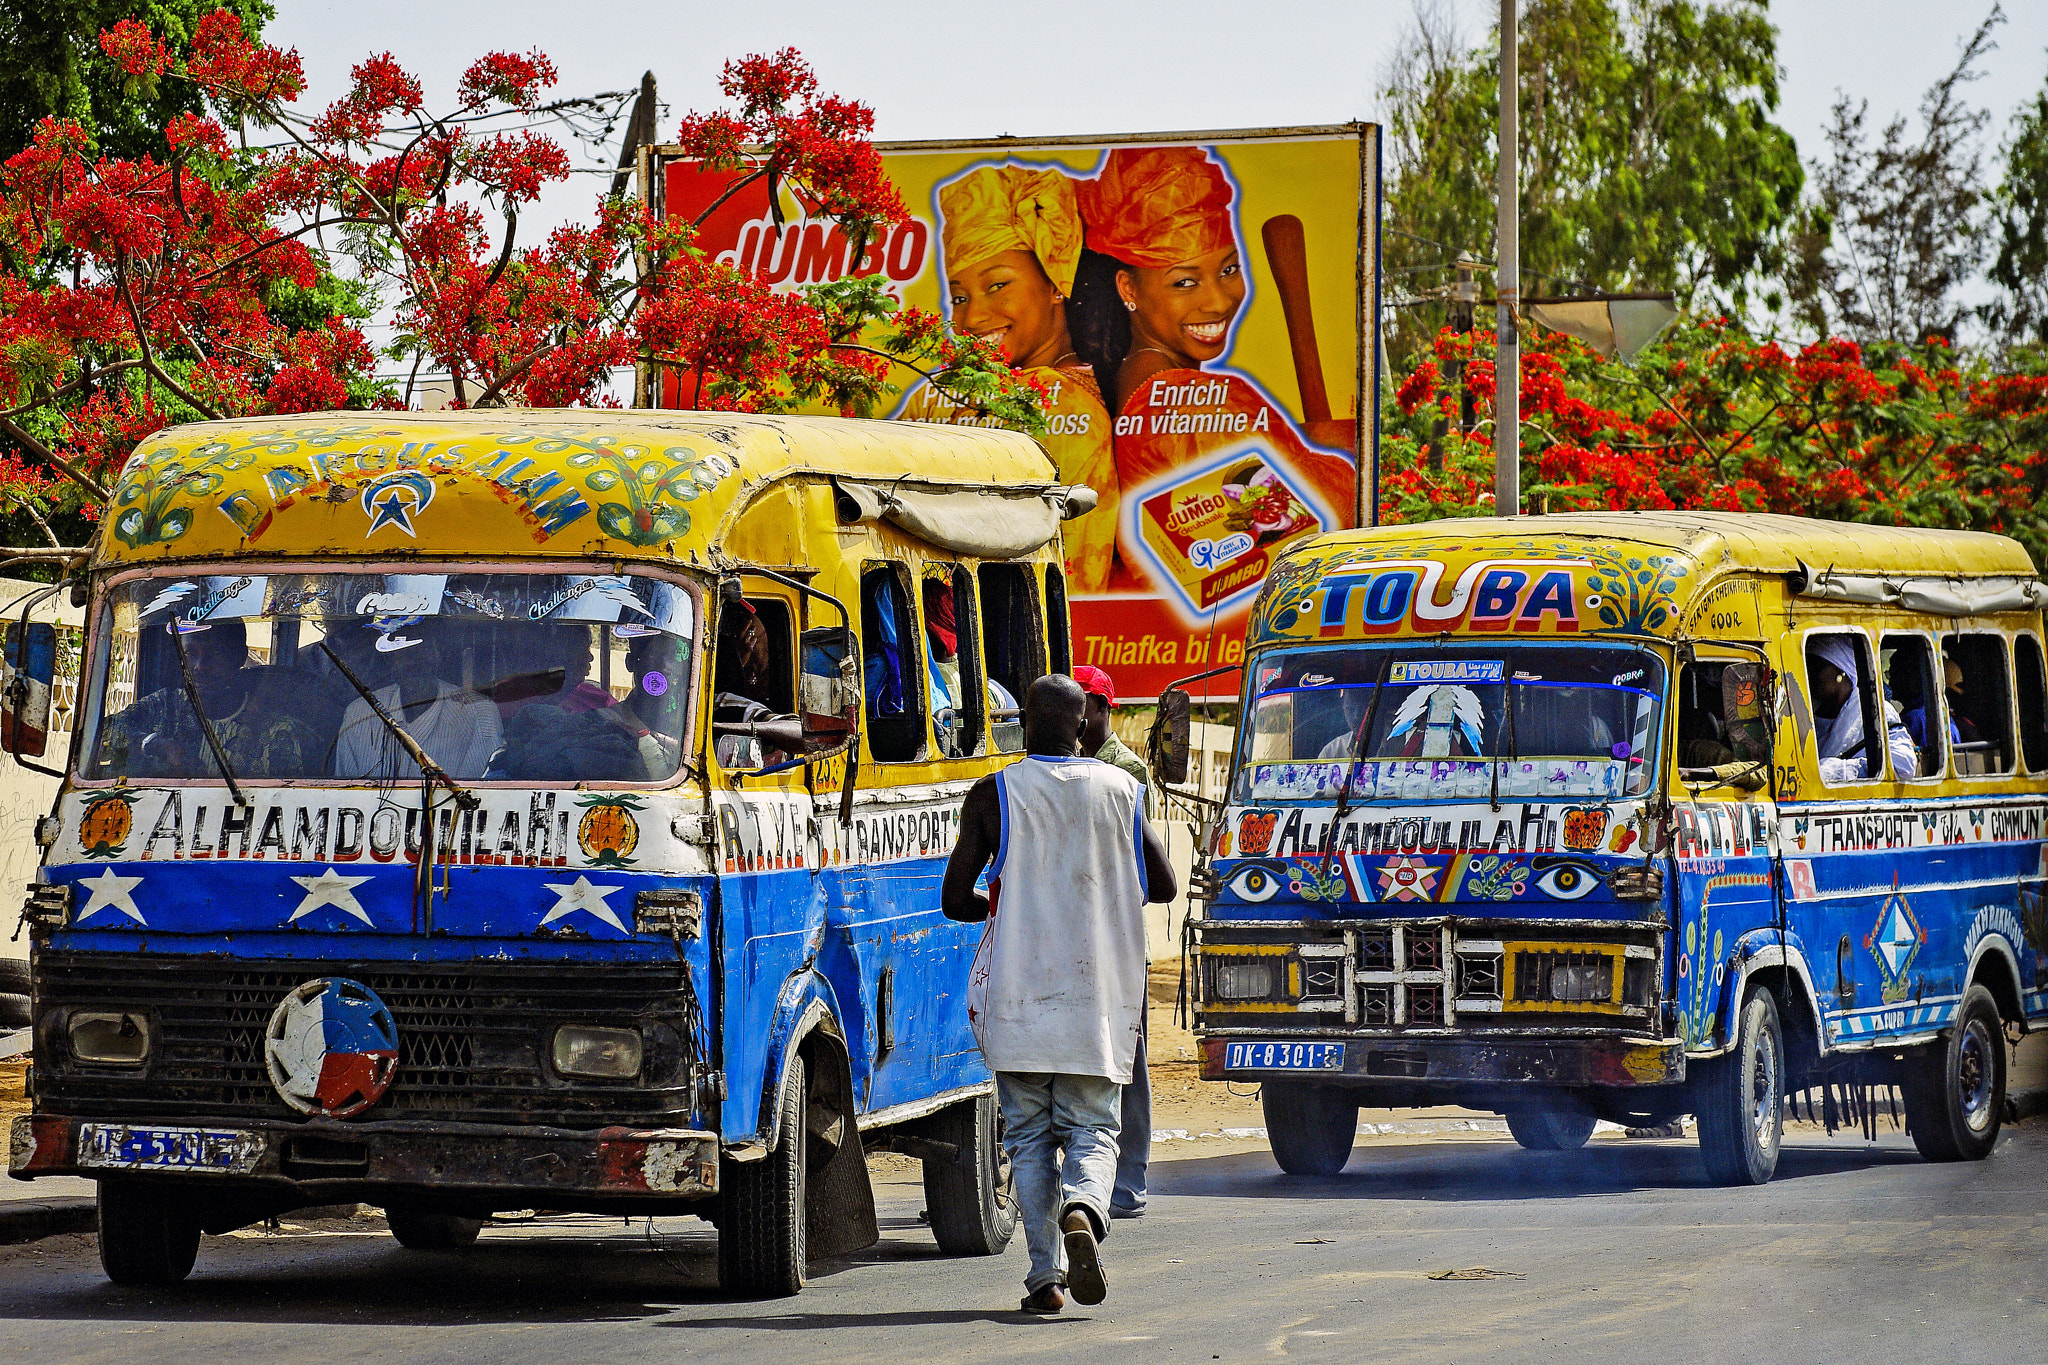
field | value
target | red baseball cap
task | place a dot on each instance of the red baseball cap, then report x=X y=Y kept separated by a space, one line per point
x=1096 y=681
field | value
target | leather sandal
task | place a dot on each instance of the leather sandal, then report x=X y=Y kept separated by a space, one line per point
x=1084 y=1261
x=1046 y=1299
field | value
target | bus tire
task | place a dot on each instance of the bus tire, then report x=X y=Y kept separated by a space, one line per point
x=1309 y=1127
x=761 y=1241
x=1741 y=1098
x=15 y=1011
x=149 y=1236
x=1955 y=1089
x=1550 y=1130
x=14 y=977
x=969 y=1200
x=417 y=1231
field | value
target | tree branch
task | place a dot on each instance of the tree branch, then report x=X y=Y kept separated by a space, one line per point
x=149 y=361
x=520 y=367
x=53 y=459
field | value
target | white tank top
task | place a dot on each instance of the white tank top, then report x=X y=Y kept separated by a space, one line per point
x=1058 y=983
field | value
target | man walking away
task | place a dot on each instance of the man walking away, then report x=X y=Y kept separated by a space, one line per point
x=1058 y=984
x=1134 y=1141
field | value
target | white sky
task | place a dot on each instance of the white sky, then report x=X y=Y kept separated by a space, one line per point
x=967 y=68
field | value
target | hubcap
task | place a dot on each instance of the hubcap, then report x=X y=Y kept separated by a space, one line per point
x=1974 y=1066
x=1764 y=1092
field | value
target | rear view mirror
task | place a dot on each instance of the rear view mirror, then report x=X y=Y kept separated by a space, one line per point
x=1745 y=709
x=828 y=695
x=1169 y=741
x=30 y=668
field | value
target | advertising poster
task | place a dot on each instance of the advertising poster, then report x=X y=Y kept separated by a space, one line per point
x=1199 y=306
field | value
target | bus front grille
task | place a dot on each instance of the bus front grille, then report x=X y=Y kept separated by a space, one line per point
x=472 y=1037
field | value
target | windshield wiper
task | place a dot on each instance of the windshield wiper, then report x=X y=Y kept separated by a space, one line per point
x=220 y=753
x=464 y=798
x=1358 y=743
x=1507 y=692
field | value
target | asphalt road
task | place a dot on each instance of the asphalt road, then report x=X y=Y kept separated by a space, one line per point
x=1857 y=1251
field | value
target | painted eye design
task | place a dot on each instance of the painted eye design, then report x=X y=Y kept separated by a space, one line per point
x=1568 y=881
x=1253 y=884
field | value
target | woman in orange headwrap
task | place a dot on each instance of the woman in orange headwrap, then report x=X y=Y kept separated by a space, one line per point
x=1011 y=237
x=1162 y=284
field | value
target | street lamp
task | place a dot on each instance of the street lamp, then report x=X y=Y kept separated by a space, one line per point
x=1612 y=324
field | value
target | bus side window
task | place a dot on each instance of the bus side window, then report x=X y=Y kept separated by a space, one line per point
x=1013 y=643
x=2033 y=680
x=1909 y=685
x=1849 y=736
x=1058 y=625
x=1979 y=696
x=892 y=667
x=753 y=677
x=951 y=634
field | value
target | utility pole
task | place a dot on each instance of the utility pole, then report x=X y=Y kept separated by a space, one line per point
x=1507 y=369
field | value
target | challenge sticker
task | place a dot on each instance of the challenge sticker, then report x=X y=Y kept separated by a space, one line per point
x=1447 y=671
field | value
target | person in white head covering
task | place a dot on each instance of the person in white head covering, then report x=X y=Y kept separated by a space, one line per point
x=1831 y=667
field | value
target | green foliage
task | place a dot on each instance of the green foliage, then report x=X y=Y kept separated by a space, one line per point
x=51 y=63
x=1895 y=228
x=1649 y=158
x=2021 y=227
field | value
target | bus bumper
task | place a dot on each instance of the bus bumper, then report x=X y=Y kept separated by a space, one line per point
x=461 y=1159
x=1407 y=1059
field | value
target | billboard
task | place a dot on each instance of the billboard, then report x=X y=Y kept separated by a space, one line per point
x=1200 y=308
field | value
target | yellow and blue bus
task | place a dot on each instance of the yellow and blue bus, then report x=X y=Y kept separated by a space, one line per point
x=1632 y=817
x=476 y=811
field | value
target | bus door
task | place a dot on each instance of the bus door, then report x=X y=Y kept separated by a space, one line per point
x=1724 y=853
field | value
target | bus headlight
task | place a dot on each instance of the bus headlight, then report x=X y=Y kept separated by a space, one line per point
x=109 y=1039
x=611 y=1054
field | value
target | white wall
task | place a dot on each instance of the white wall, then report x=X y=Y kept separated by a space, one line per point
x=27 y=796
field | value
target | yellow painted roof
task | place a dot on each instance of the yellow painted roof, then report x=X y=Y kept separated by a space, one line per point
x=507 y=481
x=1625 y=572
x=1764 y=542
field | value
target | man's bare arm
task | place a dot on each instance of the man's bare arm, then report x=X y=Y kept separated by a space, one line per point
x=1160 y=883
x=981 y=831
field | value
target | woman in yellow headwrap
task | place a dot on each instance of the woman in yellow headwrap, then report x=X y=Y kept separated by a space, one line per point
x=1011 y=236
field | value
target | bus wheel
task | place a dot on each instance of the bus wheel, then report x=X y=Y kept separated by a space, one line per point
x=1955 y=1089
x=969 y=1199
x=761 y=1251
x=418 y=1231
x=1550 y=1130
x=149 y=1236
x=1741 y=1098
x=1309 y=1127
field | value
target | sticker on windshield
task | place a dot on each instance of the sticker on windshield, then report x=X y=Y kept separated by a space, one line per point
x=1447 y=671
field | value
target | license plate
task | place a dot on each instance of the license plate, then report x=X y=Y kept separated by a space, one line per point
x=220 y=1150
x=1283 y=1056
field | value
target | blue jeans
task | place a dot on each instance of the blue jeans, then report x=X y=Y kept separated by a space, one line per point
x=1134 y=1142
x=1060 y=1132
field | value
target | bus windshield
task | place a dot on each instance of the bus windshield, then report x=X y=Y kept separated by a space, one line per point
x=496 y=676
x=1426 y=723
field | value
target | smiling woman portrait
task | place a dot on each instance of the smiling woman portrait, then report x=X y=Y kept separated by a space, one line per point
x=1157 y=291
x=1011 y=238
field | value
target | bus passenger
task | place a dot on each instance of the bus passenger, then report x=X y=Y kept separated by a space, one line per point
x=259 y=727
x=458 y=728
x=1831 y=668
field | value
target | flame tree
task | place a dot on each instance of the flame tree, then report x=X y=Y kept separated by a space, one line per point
x=141 y=291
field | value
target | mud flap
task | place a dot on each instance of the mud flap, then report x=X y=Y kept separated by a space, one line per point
x=839 y=1211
